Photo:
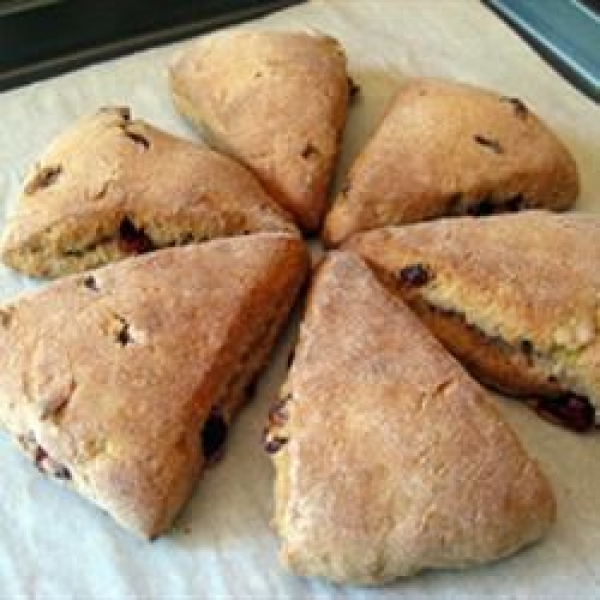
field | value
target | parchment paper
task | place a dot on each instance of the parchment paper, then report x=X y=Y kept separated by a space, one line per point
x=54 y=544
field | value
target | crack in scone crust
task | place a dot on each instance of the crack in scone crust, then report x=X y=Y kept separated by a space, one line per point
x=514 y=368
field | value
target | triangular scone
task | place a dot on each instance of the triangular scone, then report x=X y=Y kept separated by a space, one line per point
x=515 y=297
x=110 y=186
x=121 y=382
x=389 y=458
x=446 y=148
x=277 y=101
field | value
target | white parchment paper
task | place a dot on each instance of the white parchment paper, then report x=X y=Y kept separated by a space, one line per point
x=54 y=544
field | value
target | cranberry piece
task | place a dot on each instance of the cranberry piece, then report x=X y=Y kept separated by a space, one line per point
x=90 y=283
x=414 y=275
x=490 y=143
x=213 y=435
x=133 y=240
x=40 y=456
x=274 y=443
x=482 y=209
x=518 y=106
x=278 y=413
x=138 y=139
x=570 y=410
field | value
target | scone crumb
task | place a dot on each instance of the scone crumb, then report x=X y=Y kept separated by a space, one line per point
x=575 y=335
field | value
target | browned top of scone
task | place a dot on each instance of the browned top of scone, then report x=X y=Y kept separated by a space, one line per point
x=395 y=459
x=446 y=148
x=531 y=276
x=112 y=372
x=107 y=167
x=277 y=101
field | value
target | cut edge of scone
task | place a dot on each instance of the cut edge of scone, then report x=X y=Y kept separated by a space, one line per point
x=516 y=366
x=238 y=365
x=519 y=369
x=93 y=234
x=82 y=243
x=277 y=435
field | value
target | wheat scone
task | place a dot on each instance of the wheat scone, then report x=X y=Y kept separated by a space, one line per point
x=515 y=297
x=122 y=382
x=446 y=148
x=277 y=101
x=389 y=458
x=110 y=187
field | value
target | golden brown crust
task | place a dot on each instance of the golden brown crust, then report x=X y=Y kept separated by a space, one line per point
x=446 y=148
x=108 y=173
x=277 y=101
x=108 y=377
x=530 y=279
x=395 y=460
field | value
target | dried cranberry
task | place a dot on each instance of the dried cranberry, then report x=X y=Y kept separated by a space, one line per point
x=353 y=88
x=526 y=347
x=213 y=435
x=483 y=208
x=138 y=139
x=518 y=105
x=290 y=358
x=62 y=472
x=278 y=413
x=90 y=283
x=415 y=275
x=515 y=203
x=40 y=456
x=274 y=443
x=490 y=143
x=133 y=240
x=570 y=410
x=309 y=151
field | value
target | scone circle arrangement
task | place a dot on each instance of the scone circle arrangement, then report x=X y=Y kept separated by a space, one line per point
x=173 y=339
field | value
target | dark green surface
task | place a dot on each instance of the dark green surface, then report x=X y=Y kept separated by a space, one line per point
x=565 y=32
x=52 y=39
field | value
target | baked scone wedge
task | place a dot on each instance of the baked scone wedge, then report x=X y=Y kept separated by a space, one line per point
x=389 y=458
x=446 y=148
x=515 y=297
x=121 y=382
x=111 y=186
x=277 y=101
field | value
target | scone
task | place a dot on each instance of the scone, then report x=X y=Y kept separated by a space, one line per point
x=389 y=458
x=110 y=187
x=122 y=382
x=516 y=298
x=446 y=148
x=277 y=102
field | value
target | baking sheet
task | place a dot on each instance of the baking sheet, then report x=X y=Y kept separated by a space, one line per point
x=55 y=545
